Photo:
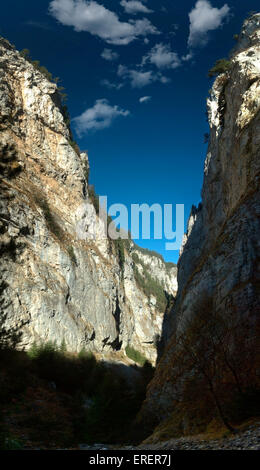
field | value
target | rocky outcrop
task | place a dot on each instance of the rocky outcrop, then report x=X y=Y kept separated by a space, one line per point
x=220 y=254
x=57 y=285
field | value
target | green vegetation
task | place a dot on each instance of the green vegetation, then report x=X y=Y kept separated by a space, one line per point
x=169 y=266
x=252 y=13
x=72 y=255
x=94 y=197
x=74 y=145
x=221 y=66
x=146 y=251
x=86 y=171
x=84 y=354
x=7 y=441
x=136 y=356
x=9 y=165
x=25 y=53
x=50 y=398
x=148 y=284
x=62 y=97
x=49 y=217
x=121 y=245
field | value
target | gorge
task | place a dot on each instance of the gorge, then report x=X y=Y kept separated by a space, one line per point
x=108 y=297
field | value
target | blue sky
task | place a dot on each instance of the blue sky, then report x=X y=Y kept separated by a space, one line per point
x=109 y=55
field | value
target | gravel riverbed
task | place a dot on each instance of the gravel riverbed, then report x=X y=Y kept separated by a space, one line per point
x=248 y=439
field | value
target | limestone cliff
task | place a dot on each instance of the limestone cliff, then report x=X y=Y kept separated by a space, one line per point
x=55 y=286
x=220 y=254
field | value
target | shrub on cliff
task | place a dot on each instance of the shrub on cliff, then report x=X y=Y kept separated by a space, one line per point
x=25 y=53
x=121 y=245
x=72 y=255
x=9 y=164
x=62 y=97
x=50 y=218
x=94 y=197
x=221 y=66
x=136 y=356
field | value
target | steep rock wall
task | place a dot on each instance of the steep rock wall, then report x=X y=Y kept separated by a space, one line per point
x=220 y=254
x=55 y=286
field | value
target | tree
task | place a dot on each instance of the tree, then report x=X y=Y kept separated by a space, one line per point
x=219 y=348
x=198 y=351
x=221 y=66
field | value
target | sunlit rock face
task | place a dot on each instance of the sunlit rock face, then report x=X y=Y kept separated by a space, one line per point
x=58 y=284
x=220 y=252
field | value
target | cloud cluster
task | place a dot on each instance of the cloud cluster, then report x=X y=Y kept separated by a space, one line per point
x=133 y=6
x=111 y=85
x=94 y=18
x=100 y=116
x=162 y=57
x=109 y=55
x=140 y=78
x=204 y=18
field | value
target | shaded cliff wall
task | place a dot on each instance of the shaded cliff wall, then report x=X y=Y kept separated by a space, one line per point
x=220 y=254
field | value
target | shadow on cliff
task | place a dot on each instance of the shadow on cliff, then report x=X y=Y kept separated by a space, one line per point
x=167 y=327
x=212 y=373
x=51 y=399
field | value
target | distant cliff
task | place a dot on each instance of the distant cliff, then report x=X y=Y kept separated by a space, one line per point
x=218 y=271
x=92 y=294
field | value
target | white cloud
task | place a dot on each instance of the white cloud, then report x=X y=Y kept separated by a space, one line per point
x=111 y=85
x=187 y=57
x=139 y=78
x=205 y=18
x=164 y=79
x=162 y=56
x=108 y=54
x=133 y=6
x=100 y=116
x=94 y=18
x=145 y=99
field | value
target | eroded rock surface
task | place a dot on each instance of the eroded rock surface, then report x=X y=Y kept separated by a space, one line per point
x=55 y=286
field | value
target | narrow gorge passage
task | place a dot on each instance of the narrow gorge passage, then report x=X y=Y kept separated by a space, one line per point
x=104 y=345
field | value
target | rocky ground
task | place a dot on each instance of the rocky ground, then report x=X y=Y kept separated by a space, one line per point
x=248 y=439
